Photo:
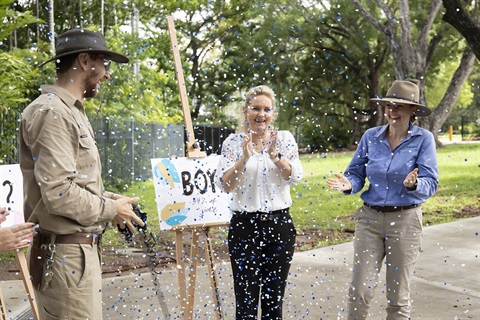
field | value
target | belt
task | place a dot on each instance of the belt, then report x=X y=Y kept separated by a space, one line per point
x=391 y=209
x=263 y=216
x=74 y=238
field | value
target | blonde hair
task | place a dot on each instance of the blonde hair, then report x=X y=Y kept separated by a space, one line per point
x=259 y=91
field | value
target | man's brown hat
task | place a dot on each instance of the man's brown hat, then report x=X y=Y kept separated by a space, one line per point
x=404 y=92
x=79 y=41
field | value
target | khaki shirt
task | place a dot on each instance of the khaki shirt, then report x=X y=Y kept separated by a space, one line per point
x=60 y=163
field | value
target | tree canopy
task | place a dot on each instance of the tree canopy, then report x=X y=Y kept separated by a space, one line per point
x=323 y=60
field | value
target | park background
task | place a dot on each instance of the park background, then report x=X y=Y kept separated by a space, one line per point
x=323 y=59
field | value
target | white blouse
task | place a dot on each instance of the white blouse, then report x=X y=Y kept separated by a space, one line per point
x=261 y=186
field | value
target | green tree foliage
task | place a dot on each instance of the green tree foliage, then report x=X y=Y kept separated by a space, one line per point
x=16 y=79
x=465 y=17
x=13 y=19
x=261 y=50
x=465 y=119
x=147 y=95
x=15 y=86
x=324 y=61
x=420 y=42
x=342 y=65
x=203 y=28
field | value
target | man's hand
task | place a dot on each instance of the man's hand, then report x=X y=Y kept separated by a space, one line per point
x=339 y=183
x=125 y=214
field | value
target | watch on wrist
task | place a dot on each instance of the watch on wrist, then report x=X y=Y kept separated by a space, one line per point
x=277 y=158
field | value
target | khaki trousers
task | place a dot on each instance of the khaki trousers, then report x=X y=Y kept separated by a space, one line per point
x=395 y=236
x=75 y=291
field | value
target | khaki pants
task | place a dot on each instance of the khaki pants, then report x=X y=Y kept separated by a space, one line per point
x=395 y=236
x=75 y=291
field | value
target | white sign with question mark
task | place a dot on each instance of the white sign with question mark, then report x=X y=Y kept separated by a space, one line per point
x=11 y=193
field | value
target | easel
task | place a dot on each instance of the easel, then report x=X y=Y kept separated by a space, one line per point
x=22 y=263
x=193 y=151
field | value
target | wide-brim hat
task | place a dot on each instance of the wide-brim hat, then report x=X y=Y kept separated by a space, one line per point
x=80 y=41
x=404 y=92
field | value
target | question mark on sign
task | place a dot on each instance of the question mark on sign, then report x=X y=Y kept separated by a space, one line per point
x=10 y=193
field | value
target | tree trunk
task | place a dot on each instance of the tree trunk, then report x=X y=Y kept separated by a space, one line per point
x=440 y=114
x=456 y=15
x=407 y=64
x=377 y=117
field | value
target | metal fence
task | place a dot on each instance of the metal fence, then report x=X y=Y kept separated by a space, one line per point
x=126 y=147
x=9 y=124
x=211 y=138
x=470 y=128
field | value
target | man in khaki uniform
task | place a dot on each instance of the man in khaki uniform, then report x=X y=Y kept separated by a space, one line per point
x=63 y=187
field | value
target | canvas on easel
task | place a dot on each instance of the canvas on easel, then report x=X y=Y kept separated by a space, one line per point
x=11 y=193
x=188 y=200
x=186 y=194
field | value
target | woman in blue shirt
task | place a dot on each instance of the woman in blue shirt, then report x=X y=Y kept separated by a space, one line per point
x=399 y=159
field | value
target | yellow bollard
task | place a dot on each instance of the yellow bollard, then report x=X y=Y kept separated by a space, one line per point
x=451 y=132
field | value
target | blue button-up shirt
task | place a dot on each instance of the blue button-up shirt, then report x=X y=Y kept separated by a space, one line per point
x=386 y=169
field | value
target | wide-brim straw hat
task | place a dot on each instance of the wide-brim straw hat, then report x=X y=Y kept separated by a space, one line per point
x=404 y=92
x=79 y=41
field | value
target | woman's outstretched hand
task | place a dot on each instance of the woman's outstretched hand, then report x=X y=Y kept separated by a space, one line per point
x=340 y=183
x=411 y=179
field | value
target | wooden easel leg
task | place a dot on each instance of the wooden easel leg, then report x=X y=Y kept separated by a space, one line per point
x=213 y=276
x=3 y=309
x=193 y=273
x=181 y=274
x=187 y=294
x=22 y=263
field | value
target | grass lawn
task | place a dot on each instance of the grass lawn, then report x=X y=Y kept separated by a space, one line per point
x=331 y=212
x=325 y=216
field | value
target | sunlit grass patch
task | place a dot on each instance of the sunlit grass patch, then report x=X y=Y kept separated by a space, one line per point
x=327 y=215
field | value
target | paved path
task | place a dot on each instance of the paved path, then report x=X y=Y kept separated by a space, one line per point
x=446 y=284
